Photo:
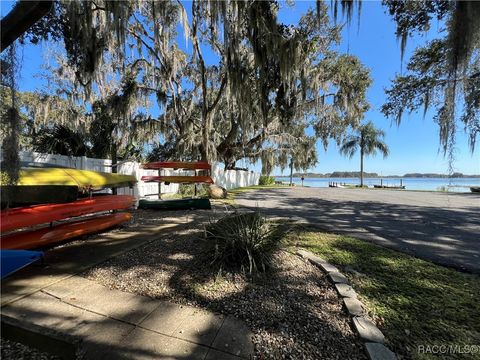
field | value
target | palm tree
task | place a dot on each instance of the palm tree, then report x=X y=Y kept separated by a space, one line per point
x=61 y=140
x=369 y=139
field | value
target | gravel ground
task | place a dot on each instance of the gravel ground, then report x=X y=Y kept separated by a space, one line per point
x=293 y=311
x=16 y=351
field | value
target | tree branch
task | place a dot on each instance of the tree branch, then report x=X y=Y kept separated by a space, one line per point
x=219 y=93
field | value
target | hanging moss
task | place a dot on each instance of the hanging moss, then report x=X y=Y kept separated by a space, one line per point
x=10 y=120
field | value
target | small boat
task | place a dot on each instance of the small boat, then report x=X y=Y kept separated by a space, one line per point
x=13 y=195
x=475 y=189
x=389 y=187
x=14 y=260
x=201 y=165
x=83 y=179
x=51 y=235
x=183 y=204
x=13 y=219
x=179 y=179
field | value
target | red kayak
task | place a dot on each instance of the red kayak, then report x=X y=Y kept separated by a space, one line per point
x=201 y=165
x=179 y=179
x=50 y=235
x=17 y=218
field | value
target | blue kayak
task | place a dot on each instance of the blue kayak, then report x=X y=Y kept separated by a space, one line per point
x=14 y=260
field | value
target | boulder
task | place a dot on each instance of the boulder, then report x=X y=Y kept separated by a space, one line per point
x=216 y=192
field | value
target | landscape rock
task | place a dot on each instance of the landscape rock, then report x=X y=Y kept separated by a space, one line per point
x=377 y=351
x=354 y=307
x=345 y=290
x=216 y=192
x=367 y=330
x=338 y=278
x=315 y=260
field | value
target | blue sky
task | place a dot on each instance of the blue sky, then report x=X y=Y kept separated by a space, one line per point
x=413 y=145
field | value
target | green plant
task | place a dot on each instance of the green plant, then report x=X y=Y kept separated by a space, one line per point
x=61 y=140
x=186 y=190
x=242 y=241
x=266 y=180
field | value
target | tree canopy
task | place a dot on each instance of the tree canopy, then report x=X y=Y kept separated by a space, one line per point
x=271 y=89
x=269 y=93
x=443 y=74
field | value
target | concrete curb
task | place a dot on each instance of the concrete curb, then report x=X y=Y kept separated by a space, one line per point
x=62 y=345
x=372 y=337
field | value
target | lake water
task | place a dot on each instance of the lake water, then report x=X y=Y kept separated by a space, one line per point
x=435 y=184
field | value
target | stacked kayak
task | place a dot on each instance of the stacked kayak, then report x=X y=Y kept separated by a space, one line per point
x=200 y=165
x=14 y=260
x=179 y=179
x=18 y=218
x=13 y=195
x=57 y=211
x=180 y=204
x=51 y=235
x=201 y=175
x=57 y=185
x=84 y=179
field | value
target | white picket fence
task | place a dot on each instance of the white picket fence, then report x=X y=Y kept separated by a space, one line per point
x=229 y=179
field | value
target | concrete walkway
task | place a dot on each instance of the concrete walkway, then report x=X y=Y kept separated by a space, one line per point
x=111 y=324
x=116 y=325
x=440 y=227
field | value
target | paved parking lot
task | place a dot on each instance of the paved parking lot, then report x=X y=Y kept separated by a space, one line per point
x=441 y=227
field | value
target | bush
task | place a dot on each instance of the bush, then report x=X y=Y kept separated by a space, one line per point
x=187 y=190
x=266 y=180
x=242 y=241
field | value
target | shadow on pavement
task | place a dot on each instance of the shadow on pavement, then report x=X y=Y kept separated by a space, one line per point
x=445 y=236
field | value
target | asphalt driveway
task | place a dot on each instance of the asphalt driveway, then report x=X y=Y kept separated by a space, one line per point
x=440 y=227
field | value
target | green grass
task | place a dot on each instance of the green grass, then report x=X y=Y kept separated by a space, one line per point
x=414 y=302
x=232 y=193
x=256 y=187
x=186 y=191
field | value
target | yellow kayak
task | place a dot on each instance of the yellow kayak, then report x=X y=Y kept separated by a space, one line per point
x=84 y=179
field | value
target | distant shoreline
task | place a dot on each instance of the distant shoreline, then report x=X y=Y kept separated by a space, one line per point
x=444 y=184
x=348 y=174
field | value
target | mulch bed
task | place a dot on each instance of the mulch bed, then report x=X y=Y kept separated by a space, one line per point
x=16 y=351
x=293 y=311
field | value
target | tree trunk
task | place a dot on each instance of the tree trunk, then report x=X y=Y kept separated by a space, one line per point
x=206 y=156
x=291 y=171
x=361 y=167
x=113 y=155
x=229 y=165
x=205 y=118
x=203 y=152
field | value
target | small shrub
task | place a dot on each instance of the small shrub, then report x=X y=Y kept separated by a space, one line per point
x=186 y=190
x=242 y=241
x=266 y=180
